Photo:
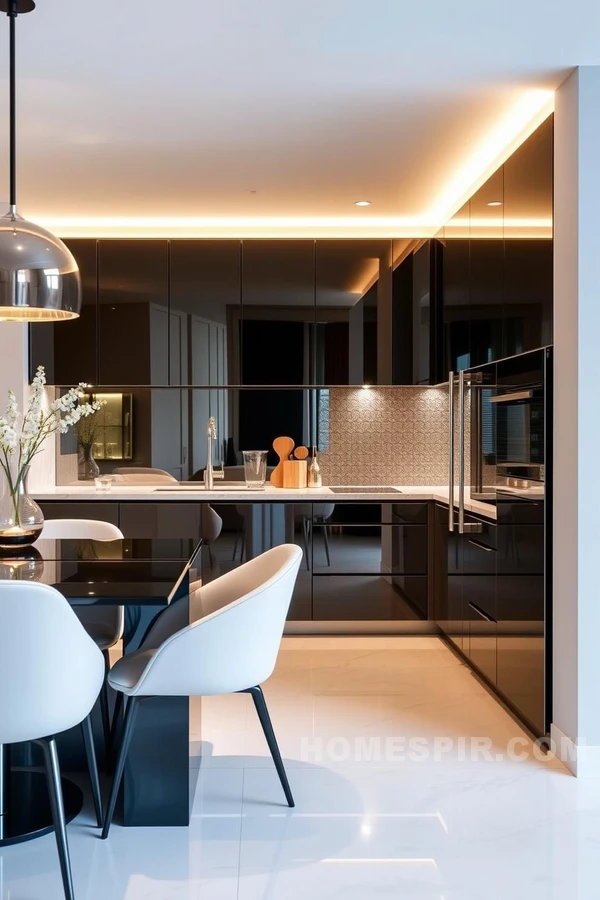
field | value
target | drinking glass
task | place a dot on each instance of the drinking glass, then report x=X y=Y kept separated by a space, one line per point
x=255 y=469
x=103 y=483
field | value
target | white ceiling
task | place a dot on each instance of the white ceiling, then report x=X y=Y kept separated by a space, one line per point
x=125 y=112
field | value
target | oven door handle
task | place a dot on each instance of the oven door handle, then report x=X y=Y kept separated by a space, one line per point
x=461 y=452
x=451 y=382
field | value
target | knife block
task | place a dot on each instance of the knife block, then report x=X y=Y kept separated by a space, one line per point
x=295 y=473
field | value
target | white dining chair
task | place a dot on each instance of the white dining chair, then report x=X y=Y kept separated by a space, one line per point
x=51 y=673
x=104 y=624
x=230 y=647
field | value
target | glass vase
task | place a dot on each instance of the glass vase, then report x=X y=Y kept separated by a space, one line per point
x=21 y=519
x=87 y=467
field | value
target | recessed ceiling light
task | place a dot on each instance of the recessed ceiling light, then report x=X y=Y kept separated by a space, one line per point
x=495 y=203
x=362 y=202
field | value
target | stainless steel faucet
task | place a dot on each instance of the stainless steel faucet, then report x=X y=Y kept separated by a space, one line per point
x=209 y=480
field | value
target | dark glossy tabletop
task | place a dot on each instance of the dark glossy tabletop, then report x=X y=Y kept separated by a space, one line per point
x=132 y=571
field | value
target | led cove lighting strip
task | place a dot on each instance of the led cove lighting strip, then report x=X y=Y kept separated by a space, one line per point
x=515 y=127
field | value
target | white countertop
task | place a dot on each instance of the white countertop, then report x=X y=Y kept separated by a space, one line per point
x=123 y=493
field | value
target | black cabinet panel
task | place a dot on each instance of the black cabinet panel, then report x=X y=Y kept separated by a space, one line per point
x=413 y=589
x=480 y=610
x=452 y=621
x=278 y=302
x=361 y=598
x=521 y=645
x=133 y=312
x=205 y=311
x=497 y=280
x=352 y=287
x=364 y=549
x=242 y=531
x=410 y=513
x=165 y=520
x=68 y=350
x=106 y=512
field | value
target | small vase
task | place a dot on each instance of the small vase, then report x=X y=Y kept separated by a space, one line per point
x=87 y=467
x=21 y=519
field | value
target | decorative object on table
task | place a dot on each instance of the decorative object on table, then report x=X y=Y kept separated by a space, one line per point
x=294 y=473
x=103 y=483
x=301 y=453
x=314 y=479
x=283 y=447
x=87 y=432
x=21 y=519
x=255 y=469
x=21 y=564
x=39 y=278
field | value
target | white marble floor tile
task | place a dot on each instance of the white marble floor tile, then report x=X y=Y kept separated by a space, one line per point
x=372 y=819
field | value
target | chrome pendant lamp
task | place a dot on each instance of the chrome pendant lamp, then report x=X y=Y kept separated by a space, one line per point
x=39 y=278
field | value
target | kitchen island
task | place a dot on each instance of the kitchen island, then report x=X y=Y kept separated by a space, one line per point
x=81 y=492
x=367 y=550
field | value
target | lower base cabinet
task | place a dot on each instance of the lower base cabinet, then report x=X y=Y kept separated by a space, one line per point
x=490 y=603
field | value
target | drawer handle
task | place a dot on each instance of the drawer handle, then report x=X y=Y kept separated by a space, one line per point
x=483 y=614
x=481 y=546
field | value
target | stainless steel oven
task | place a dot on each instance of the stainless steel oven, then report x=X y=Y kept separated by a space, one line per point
x=502 y=432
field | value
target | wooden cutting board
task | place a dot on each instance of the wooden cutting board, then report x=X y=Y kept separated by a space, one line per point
x=283 y=447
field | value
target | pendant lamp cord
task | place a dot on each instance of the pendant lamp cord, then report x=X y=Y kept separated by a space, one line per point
x=12 y=18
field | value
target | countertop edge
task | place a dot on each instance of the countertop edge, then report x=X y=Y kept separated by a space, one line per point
x=74 y=493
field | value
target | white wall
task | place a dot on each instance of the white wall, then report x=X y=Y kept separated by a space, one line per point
x=576 y=664
x=14 y=349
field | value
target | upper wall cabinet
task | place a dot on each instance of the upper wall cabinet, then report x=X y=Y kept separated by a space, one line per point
x=278 y=312
x=351 y=285
x=205 y=312
x=496 y=288
x=528 y=275
x=68 y=350
x=133 y=312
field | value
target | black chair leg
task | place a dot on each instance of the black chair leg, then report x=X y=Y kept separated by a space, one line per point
x=265 y=721
x=305 y=532
x=326 y=540
x=58 y=813
x=116 y=726
x=90 y=752
x=131 y=710
x=104 y=709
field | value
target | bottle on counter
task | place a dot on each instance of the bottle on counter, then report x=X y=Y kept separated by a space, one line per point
x=314 y=479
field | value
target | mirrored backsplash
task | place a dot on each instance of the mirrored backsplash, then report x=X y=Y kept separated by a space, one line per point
x=365 y=436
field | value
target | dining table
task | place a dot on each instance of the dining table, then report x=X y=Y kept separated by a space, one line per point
x=144 y=576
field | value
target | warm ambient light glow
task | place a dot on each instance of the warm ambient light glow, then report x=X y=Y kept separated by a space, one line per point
x=27 y=313
x=362 y=202
x=495 y=203
x=520 y=121
x=515 y=127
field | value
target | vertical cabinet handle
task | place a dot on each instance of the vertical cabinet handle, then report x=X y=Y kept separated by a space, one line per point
x=451 y=452
x=461 y=452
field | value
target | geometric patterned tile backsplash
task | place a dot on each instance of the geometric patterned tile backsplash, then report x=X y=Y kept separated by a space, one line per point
x=387 y=435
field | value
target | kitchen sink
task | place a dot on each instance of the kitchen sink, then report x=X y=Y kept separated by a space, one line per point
x=199 y=486
x=365 y=490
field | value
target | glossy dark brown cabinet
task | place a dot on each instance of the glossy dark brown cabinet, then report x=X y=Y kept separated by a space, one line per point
x=69 y=352
x=133 y=312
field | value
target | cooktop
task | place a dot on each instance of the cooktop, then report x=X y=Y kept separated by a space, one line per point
x=365 y=490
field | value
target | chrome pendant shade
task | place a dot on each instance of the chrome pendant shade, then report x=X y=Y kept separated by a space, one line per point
x=39 y=278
